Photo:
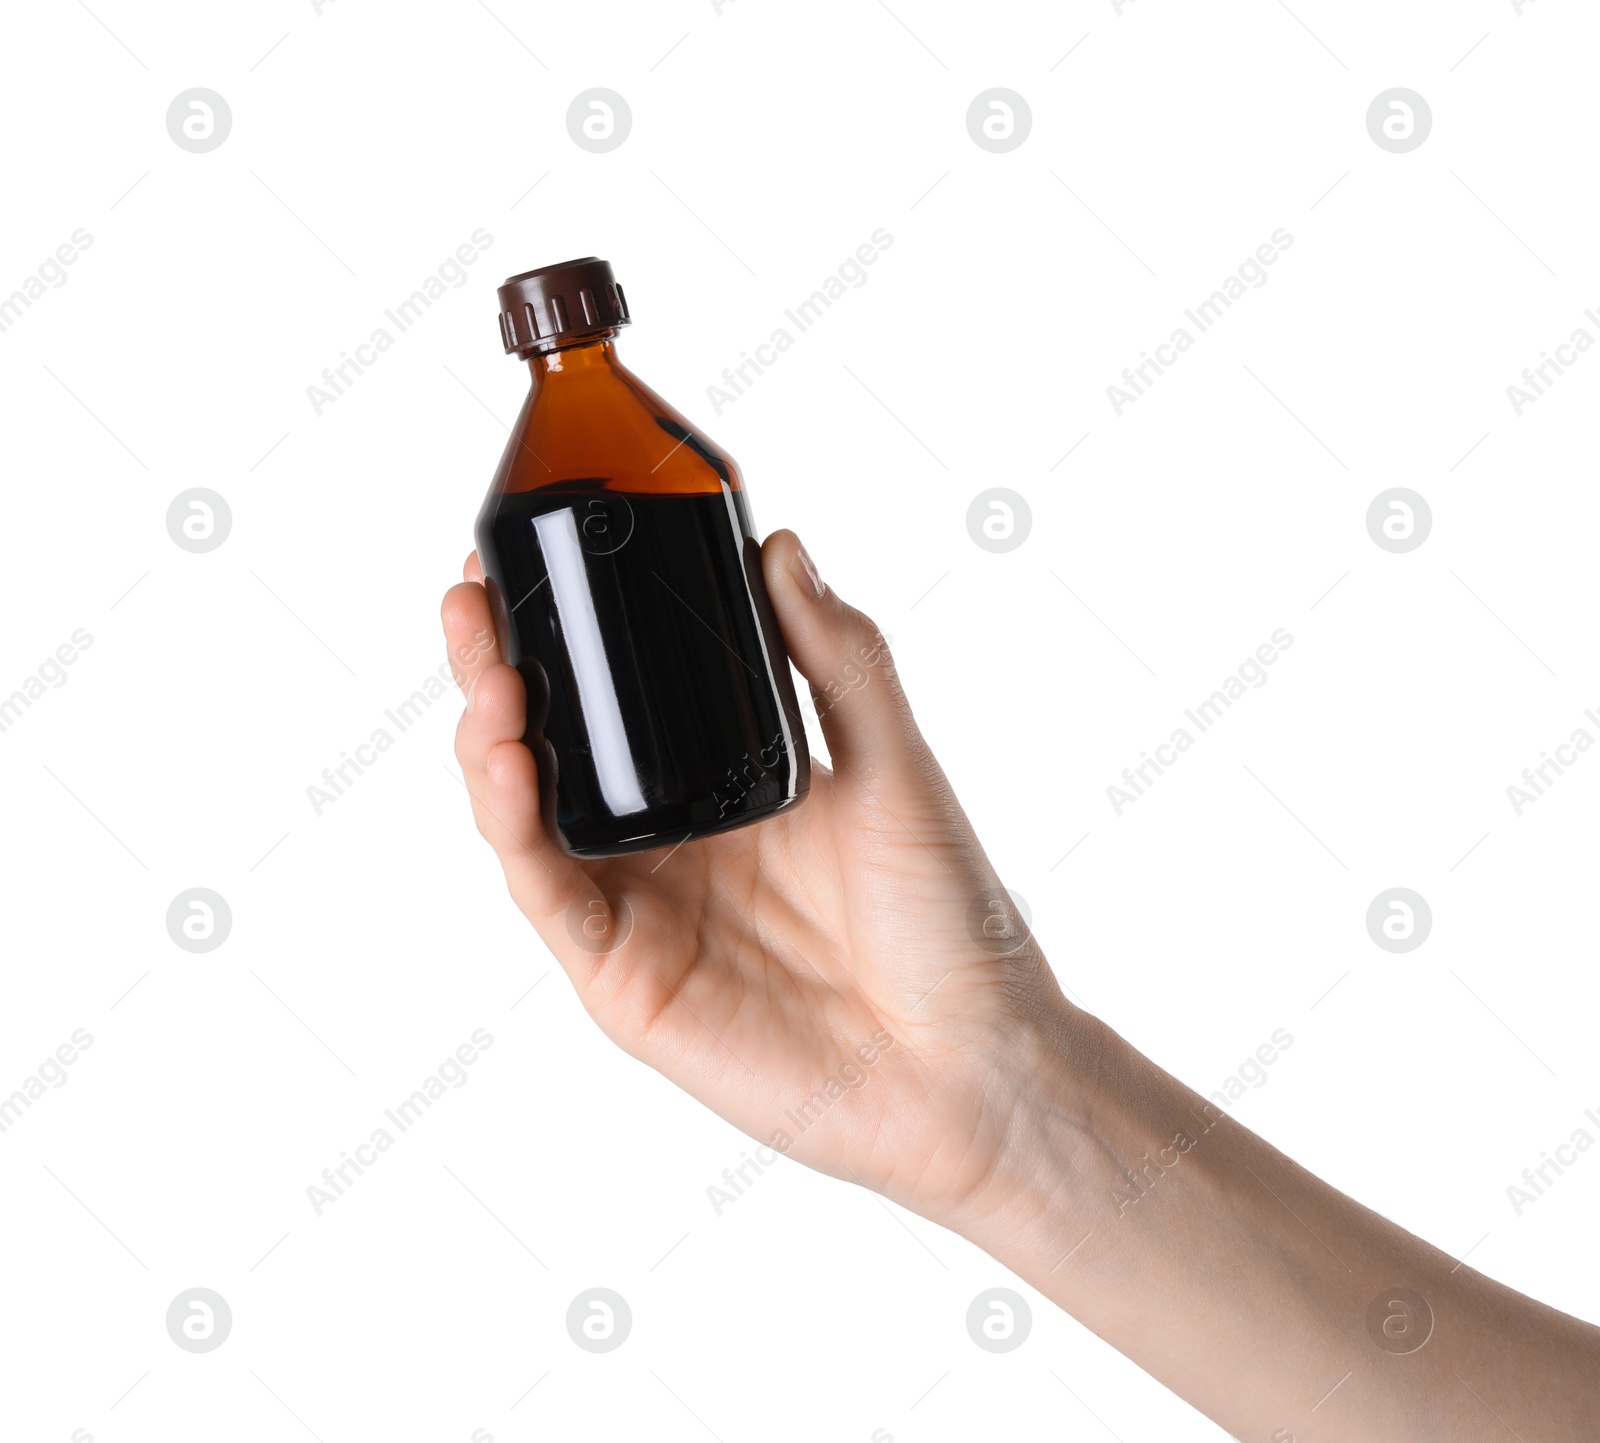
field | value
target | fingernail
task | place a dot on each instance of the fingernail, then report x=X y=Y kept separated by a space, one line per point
x=806 y=571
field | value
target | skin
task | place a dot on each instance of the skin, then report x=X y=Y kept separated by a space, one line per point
x=750 y=967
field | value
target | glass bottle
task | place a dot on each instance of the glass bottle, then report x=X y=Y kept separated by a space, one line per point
x=624 y=575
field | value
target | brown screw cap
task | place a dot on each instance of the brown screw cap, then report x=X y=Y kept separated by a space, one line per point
x=559 y=305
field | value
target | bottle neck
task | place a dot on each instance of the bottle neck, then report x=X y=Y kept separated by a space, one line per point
x=589 y=356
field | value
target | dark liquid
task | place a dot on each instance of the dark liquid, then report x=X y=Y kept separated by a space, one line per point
x=660 y=704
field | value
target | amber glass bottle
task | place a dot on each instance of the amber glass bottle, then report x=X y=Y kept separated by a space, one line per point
x=625 y=576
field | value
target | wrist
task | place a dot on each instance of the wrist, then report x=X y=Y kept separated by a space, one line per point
x=1051 y=1171
x=1095 y=1130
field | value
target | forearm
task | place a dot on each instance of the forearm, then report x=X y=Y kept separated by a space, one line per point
x=1276 y=1305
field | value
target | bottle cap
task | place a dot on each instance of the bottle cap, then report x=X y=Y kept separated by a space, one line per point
x=558 y=305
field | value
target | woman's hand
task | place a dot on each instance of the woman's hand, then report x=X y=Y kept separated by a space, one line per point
x=847 y=981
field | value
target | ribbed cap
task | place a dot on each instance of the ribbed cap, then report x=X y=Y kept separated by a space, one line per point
x=557 y=305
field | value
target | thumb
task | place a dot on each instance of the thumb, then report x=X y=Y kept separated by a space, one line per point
x=866 y=719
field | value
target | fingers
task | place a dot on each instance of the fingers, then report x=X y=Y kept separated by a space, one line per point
x=472 y=569
x=468 y=631
x=866 y=718
x=498 y=769
x=504 y=783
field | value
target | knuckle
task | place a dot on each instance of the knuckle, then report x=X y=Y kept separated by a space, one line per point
x=463 y=744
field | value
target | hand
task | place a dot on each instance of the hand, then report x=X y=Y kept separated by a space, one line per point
x=761 y=969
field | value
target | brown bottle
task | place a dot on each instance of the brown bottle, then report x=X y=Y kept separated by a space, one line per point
x=625 y=577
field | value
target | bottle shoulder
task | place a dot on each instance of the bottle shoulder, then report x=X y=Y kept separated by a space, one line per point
x=605 y=425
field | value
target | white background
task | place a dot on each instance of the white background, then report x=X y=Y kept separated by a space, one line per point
x=368 y=942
